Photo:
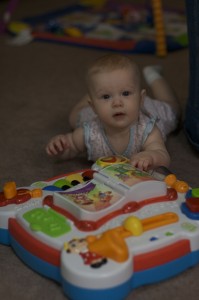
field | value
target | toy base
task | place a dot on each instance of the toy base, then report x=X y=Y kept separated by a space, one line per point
x=119 y=292
x=112 y=259
x=4 y=237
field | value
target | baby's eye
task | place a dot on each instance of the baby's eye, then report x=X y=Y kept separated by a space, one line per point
x=126 y=93
x=106 y=96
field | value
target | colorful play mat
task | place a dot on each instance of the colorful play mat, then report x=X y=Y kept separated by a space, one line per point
x=112 y=26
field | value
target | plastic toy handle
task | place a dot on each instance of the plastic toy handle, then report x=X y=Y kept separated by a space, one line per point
x=159 y=220
x=111 y=243
x=136 y=227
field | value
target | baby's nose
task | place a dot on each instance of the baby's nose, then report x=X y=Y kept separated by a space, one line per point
x=117 y=101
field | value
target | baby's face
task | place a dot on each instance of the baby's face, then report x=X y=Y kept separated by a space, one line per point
x=116 y=98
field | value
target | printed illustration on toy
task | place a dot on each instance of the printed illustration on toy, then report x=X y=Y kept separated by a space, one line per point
x=97 y=198
x=80 y=246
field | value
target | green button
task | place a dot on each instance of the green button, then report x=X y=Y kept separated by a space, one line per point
x=195 y=192
x=168 y=233
x=62 y=182
x=47 y=221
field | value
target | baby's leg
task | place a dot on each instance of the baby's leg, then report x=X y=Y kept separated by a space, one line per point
x=160 y=88
x=84 y=102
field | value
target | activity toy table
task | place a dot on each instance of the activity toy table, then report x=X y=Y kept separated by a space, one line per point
x=103 y=231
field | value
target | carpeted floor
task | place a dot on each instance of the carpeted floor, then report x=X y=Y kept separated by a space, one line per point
x=39 y=83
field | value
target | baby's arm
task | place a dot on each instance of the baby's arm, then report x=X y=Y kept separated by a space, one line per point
x=154 y=153
x=84 y=102
x=67 y=145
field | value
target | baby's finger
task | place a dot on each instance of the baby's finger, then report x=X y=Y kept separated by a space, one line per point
x=54 y=147
x=58 y=145
x=145 y=165
x=135 y=163
x=50 y=150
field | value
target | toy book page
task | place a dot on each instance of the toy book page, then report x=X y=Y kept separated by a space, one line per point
x=92 y=197
x=124 y=176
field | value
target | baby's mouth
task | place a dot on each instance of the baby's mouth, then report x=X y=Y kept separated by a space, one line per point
x=119 y=114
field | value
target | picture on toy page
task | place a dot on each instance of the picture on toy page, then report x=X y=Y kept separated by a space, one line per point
x=125 y=173
x=110 y=186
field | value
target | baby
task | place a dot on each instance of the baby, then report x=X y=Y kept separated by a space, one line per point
x=117 y=118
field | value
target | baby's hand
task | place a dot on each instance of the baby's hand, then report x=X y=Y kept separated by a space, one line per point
x=142 y=161
x=57 y=145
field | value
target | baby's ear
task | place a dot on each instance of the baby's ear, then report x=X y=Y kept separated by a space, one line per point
x=90 y=102
x=142 y=96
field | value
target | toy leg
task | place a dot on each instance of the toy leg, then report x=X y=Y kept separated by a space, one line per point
x=191 y=123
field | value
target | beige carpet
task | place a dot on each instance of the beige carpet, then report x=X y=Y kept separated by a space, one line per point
x=39 y=83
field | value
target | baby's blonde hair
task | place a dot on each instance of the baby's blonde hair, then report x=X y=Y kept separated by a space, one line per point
x=111 y=62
